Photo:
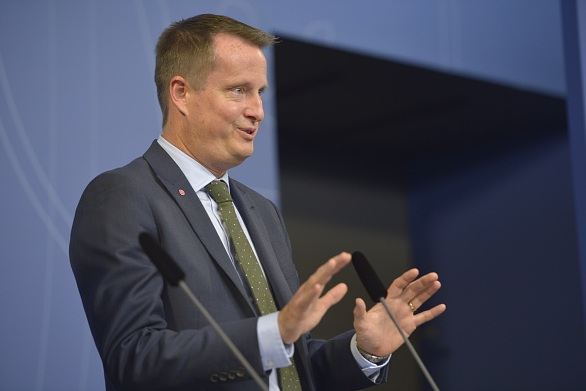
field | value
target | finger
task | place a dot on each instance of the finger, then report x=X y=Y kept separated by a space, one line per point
x=402 y=282
x=304 y=312
x=305 y=296
x=426 y=316
x=303 y=306
x=421 y=298
x=359 y=309
x=420 y=285
x=332 y=296
x=311 y=290
x=326 y=271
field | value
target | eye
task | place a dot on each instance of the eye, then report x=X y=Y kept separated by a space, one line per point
x=238 y=90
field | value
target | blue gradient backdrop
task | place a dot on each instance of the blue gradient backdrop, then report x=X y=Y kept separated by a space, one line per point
x=77 y=98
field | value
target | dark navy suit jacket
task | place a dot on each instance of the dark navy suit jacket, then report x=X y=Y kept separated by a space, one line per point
x=148 y=334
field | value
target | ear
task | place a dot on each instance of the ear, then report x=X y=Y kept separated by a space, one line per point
x=178 y=93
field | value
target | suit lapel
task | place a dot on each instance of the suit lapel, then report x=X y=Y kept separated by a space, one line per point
x=186 y=199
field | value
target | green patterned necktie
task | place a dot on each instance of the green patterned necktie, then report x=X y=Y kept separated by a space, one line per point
x=244 y=256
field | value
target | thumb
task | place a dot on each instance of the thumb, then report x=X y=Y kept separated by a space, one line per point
x=359 y=309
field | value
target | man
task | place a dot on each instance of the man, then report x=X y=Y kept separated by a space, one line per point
x=210 y=75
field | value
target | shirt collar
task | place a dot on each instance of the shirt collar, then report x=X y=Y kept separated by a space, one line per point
x=197 y=175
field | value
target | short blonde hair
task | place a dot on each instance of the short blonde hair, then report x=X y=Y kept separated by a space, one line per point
x=186 y=48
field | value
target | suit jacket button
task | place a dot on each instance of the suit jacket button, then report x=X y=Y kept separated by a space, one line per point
x=223 y=376
x=240 y=372
x=232 y=375
x=214 y=378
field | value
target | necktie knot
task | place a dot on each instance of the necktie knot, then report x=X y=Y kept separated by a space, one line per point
x=219 y=192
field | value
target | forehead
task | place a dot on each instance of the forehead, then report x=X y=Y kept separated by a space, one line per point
x=238 y=57
x=230 y=46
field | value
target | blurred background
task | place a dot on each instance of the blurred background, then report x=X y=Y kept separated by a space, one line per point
x=434 y=134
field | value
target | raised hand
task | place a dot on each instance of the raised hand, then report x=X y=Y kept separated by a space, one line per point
x=307 y=307
x=375 y=331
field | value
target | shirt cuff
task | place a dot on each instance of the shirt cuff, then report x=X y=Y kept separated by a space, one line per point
x=273 y=352
x=370 y=370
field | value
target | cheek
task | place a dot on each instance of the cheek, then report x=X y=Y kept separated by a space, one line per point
x=218 y=117
x=231 y=111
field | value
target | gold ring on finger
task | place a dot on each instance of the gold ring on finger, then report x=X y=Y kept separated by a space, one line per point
x=412 y=306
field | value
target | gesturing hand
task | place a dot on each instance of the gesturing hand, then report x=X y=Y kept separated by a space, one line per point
x=375 y=331
x=307 y=307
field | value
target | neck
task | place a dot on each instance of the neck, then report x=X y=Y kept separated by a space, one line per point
x=177 y=142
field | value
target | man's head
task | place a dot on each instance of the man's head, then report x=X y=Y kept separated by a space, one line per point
x=211 y=73
x=186 y=48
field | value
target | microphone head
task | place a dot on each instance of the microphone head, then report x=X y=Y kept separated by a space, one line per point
x=167 y=266
x=374 y=286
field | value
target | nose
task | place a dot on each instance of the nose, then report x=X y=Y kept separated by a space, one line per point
x=254 y=110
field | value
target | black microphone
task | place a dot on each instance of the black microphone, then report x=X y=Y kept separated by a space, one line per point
x=174 y=275
x=378 y=293
x=368 y=277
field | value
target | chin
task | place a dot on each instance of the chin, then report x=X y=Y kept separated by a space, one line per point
x=245 y=154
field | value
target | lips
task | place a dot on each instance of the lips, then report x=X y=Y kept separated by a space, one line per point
x=249 y=131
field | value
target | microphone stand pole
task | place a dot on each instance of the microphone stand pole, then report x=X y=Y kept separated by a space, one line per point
x=410 y=346
x=223 y=335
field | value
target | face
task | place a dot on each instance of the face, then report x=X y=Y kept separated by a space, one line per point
x=221 y=120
